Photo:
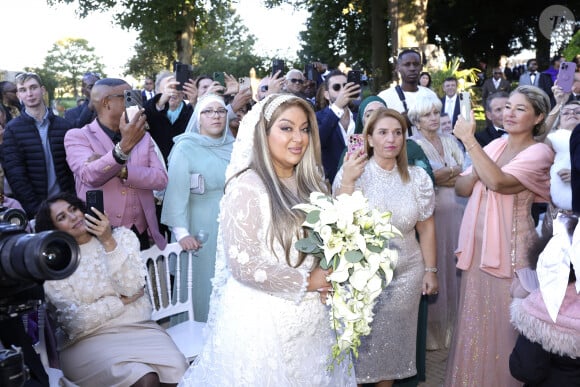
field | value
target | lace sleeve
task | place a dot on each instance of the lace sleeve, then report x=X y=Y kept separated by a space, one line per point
x=245 y=221
x=124 y=264
x=78 y=316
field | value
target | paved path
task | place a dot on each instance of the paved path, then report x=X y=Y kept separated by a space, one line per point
x=436 y=363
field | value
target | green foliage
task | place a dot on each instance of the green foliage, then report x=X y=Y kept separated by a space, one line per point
x=67 y=61
x=573 y=47
x=466 y=78
x=207 y=34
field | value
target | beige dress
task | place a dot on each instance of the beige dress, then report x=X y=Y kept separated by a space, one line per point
x=103 y=342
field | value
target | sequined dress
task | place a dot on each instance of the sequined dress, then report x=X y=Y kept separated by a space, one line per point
x=264 y=329
x=389 y=351
x=483 y=338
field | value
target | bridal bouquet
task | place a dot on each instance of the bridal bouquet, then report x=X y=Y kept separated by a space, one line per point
x=353 y=240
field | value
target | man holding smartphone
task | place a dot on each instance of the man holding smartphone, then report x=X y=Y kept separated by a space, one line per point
x=98 y=155
x=336 y=121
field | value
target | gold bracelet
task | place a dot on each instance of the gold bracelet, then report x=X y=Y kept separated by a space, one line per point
x=471 y=146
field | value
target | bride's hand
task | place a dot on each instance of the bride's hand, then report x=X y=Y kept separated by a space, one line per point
x=318 y=279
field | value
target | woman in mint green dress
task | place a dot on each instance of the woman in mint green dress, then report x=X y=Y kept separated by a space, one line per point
x=197 y=165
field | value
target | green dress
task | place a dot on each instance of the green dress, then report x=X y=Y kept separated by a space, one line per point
x=194 y=153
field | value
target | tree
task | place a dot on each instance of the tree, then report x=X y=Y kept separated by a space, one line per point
x=69 y=59
x=188 y=31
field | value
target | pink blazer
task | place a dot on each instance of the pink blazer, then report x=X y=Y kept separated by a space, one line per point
x=145 y=174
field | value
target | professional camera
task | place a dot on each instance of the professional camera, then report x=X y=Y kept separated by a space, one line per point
x=27 y=260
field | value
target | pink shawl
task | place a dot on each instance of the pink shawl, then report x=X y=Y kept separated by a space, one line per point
x=531 y=167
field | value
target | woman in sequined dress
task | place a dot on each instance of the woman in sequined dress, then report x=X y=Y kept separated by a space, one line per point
x=505 y=179
x=388 y=353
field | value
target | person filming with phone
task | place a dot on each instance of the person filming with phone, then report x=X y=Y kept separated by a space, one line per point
x=118 y=157
x=336 y=121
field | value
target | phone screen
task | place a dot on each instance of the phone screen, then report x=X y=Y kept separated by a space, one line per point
x=94 y=198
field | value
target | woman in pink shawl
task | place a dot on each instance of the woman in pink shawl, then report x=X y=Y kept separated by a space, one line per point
x=506 y=177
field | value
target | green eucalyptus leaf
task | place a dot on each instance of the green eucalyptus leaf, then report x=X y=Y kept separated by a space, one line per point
x=313 y=216
x=353 y=256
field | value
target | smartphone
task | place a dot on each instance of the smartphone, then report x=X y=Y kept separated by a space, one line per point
x=94 y=198
x=218 y=76
x=354 y=76
x=465 y=105
x=311 y=72
x=133 y=103
x=278 y=64
x=182 y=74
x=356 y=143
x=565 y=77
x=245 y=83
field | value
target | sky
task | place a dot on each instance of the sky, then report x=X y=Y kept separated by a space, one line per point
x=31 y=28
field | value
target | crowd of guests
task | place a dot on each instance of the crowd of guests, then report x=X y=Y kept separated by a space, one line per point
x=208 y=156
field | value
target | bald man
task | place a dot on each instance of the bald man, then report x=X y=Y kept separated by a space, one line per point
x=120 y=159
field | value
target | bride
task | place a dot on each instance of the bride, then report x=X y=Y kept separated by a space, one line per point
x=267 y=325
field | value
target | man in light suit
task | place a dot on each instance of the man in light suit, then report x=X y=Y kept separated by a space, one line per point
x=98 y=155
x=450 y=100
x=535 y=78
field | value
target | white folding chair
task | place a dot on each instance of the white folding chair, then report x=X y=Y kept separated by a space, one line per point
x=54 y=374
x=169 y=302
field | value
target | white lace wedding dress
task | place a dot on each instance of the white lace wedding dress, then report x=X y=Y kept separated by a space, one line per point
x=264 y=329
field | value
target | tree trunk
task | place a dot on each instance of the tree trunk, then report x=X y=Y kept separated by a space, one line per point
x=184 y=42
x=380 y=65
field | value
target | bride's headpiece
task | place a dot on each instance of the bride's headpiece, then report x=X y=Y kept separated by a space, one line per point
x=244 y=145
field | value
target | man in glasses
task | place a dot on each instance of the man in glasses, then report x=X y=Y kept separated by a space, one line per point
x=295 y=82
x=34 y=158
x=81 y=115
x=118 y=157
x=497 y=83
x=336 y=121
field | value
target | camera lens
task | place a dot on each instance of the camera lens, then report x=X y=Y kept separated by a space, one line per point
x=49 y=255
x=14 y=217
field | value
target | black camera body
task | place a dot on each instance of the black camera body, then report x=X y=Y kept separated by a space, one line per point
x=27 y=260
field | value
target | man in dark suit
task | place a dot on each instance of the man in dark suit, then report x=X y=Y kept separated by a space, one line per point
x=83 y=114
x=336 y=121
x=494 y=85
x=450 y=100
x=535 y=78
x=494 y=113
x=149 y=90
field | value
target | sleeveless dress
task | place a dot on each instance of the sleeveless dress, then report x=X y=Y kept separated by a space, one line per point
x=389 y=352
x=264 y=329
x=442 y=309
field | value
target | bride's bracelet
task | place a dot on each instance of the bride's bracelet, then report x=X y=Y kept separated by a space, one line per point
x=431 y=270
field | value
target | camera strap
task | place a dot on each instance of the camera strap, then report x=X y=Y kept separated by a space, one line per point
x=401 y=95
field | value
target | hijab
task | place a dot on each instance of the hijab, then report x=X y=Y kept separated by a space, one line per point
x=359 y=126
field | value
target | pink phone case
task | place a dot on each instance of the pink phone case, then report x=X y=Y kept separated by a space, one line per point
x=355 y=144
x=565 y=77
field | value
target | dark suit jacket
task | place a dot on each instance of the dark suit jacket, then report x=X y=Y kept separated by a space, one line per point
x=331 y=141
x=79 y=116
x=455 y=112
x=488 y=89
x=543 y=81
x=575 y=161
x=487 y=135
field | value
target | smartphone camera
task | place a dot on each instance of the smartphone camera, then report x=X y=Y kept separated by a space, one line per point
x=182 y=74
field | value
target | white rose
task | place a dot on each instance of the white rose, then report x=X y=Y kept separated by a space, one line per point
x=260 y=276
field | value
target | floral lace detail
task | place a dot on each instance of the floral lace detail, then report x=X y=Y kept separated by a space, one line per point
x=90 y=297
x=244 y=225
